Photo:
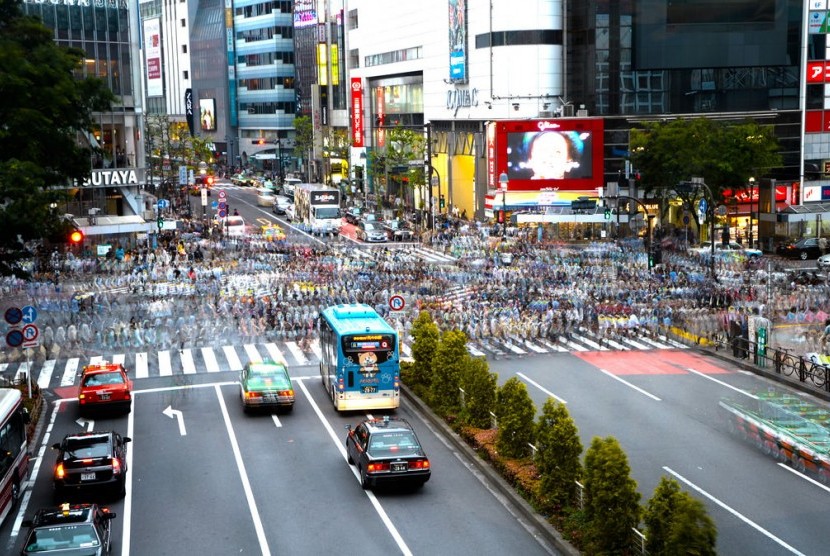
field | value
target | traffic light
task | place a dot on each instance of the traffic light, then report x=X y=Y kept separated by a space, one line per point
x=76 y=237
x=441 y=202
x=501 y=217
x=209 y=181
x=160 y=222
x=608 y=214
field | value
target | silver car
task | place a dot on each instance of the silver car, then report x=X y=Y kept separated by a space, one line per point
x=370 y=232
x=823 y=262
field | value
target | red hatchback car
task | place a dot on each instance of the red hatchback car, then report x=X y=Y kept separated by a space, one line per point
x=105 y=386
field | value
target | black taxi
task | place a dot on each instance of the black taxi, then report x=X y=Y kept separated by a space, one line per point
x=387 y=450
x=69 y=529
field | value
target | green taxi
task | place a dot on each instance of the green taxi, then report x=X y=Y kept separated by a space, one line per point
x=266 y=385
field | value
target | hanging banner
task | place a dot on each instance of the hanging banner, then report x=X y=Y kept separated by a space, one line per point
x=357 y=112
x=152 y=57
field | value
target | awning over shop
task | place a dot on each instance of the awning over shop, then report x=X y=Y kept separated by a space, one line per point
x=803 y=213
x=109 y=225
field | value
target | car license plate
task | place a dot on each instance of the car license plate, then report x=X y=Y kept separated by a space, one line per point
x=399 y=467
x=103 y=395
x=369 y=389
x=87 y=476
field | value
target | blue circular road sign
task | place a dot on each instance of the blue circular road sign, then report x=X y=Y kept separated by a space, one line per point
x=222 y=213
x=14 y=338
x=14 y=315
x=29 y=314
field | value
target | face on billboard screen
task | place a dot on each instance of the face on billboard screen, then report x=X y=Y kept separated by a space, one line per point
x=207 y=114
x=563 y=154
x=549 y=155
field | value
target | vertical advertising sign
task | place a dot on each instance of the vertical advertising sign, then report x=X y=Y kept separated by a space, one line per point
x=231 y=54
x=152 y=57
x=380 y=112
x=207 y=114
x=357 y=112
x=188 y=109
x=322 y=65
x=458 y=40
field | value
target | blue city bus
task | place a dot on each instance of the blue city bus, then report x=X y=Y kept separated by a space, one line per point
x=360 y=363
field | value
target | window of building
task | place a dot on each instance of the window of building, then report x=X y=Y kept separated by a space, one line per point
x=185 y=74
x=354 y=58
x=184 y=49
x=352 y=19
x=183 y=23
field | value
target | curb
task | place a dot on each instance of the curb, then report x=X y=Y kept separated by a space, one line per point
x=548 y=535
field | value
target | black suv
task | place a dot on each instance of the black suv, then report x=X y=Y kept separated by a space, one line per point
x=69 y=529
x=89 y=460
x=386 y=450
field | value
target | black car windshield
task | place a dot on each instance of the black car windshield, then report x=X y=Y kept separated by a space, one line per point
x=397 y=443
x=101 y=379
x=95 y=447
x=64 y=537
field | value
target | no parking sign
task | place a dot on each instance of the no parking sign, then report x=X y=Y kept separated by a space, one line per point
x=397 y=303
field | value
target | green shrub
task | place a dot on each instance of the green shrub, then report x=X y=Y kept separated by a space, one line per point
x=515 y=413
x=558 y=457
x=479 y=386
x=447 y=363
x=425 y=336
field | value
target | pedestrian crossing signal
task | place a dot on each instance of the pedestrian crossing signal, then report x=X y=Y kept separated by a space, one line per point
x=441 y=202
x=608 y=214
x=160 y=222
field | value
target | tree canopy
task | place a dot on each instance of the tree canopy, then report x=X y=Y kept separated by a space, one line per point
x=46 y=105
x=725 y=154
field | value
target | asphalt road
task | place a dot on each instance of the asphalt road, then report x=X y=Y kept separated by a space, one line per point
x=663 y=409
x=213 y=480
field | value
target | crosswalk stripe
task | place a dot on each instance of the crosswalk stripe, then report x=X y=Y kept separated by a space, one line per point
x=297 y=353
x=3 y=367
x=96 y=360
x=534 y=347
x=188 y=366
x=45 y=376
x=475 y=352
x=119 y=358
x=406 y=351
x=637 y=345
x=615 y=345
x=165 y=365
x=672 y=342
x=233 y=359
x=315 y=347
x=141 y=365
x=22 y=371
x=69 y=372
x=554 y=346
x=590 y=343
x=572 y=344
x=514 y=349
x=652 y=343
x=210 y=360
x=274 y=353
x=252 y=353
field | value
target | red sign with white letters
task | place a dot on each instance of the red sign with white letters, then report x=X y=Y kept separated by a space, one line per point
x=817 y=72
x=358 y=129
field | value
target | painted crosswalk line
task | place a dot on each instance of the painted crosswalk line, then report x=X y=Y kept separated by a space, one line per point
x=211 y=364
x=233 y=359
x=142 y=366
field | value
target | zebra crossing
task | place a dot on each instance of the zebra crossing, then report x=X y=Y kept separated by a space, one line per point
x=54 y=373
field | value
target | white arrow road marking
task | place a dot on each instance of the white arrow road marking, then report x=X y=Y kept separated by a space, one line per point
x=89 y=424
x=176 y=414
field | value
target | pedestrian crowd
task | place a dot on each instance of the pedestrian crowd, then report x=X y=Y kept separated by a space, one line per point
x=192 y=292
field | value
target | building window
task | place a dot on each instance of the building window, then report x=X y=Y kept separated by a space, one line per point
x=183 y=23
x=185 y=74
x=184 y=49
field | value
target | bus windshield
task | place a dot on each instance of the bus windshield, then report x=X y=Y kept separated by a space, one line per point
x=326 y=212
x=356 y=347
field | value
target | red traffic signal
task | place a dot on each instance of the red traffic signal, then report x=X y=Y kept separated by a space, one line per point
x=77 y=236
x=209 y=180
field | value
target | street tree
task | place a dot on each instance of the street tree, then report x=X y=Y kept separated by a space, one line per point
x=611 y=500
x=47 y=107
x=425 y=336
x=480 y=386
x=391 y=162
x=304 y=140
x=725 y=154
x=515 y=413
x=559 y=452
x=169 y=145
x=449 y=360
x=677 y=523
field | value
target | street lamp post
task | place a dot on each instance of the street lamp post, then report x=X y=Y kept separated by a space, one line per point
x=503 y=183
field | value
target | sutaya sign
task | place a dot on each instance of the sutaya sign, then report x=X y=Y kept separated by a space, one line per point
x=104 y=178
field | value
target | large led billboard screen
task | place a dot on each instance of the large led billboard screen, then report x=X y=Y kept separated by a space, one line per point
x=711 y=33
x=563 y=154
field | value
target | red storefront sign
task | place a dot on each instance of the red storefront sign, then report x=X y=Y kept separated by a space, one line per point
x=358 y=128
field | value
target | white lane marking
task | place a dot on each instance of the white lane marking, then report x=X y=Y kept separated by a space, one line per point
x=733 y=512
x=126 y=519
x=722 y=383
x=142 y=365
x=69 y=372
x=44 y=445
x=119 y=358
x=243 y=474
x=252 y=353
x=45 y=376
x=475 y=352
x=211 y=364
x=637 y=388
x=805 y=477
x=165 y=365
x=277 y=421
x=297 y=353
x=371 y=495
x=188 y=366
x=405 y=349
x=233 y=359
x=540 y=387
